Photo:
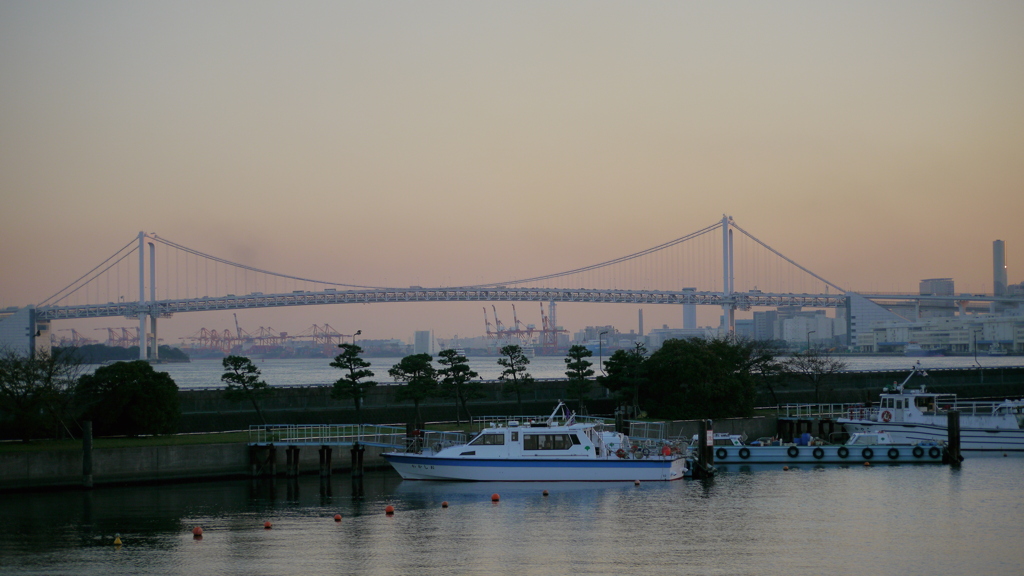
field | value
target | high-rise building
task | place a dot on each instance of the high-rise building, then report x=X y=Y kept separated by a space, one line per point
x=689 y=313
x=421 y=342
x=937 y=287
x=998 y=268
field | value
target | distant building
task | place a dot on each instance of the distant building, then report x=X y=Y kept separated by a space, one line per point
x=422 y=342
x=998 y=268
x=689 y=313
x=745 y=328
x=936 y=287
x=764 y=325
x=18 y=330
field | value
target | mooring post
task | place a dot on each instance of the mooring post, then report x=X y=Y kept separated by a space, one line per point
x=325 y=461
x=704 y=467
x=272 y=459
x=952 y=453
x=87 y=454
x=255 y=462
x=357 y=470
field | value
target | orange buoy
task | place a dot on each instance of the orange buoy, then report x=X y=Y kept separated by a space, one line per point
x=337 y=517
x=867 y=463
x=495 y=497
x=636 y=482
x=267 y=525
x=444 y=504
x=389 y=509
x=785 y=467
x=545 y=492
x=197 y=531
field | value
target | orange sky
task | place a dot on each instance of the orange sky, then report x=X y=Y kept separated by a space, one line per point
x=451 y=143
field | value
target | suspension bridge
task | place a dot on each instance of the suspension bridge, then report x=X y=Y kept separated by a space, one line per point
x=720 y=265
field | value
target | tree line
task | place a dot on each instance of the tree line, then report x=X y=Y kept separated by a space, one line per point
x=48 y=396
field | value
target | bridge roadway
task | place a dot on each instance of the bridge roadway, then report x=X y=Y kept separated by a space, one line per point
x=166 y=308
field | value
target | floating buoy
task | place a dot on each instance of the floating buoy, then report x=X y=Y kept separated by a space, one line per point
x=867 y=463
x=785 y=467
x=545 y=492
x=636 y=482
x=267 y=525
x=117 y=539
x=389 y=509
x=337 y=517
x=444 y=504
x=495 y=497
x=197 y=531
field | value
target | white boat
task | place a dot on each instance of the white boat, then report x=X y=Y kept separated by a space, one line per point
x=543 y=451
x=862 y=447
x=996 y=350
x=914 y=416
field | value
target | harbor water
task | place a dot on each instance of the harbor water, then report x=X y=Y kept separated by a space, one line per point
x=810 y=520
x=206 y=373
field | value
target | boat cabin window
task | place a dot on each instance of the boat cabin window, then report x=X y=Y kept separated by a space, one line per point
x=547 y=442
x=488 y=440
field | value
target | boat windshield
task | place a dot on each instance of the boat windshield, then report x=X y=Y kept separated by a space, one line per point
x=488 y=439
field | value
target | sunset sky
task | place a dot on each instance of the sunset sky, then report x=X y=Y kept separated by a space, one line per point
x=450 y=143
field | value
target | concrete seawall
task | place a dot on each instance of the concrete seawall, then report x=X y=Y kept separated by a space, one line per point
x=63 y=468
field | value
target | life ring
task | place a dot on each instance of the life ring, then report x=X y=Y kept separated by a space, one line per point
x=744 y=452
x=918 y=452
x=886 y=416
x=893 y=453
x=721 y=453
x=843 y=452
x=934 y=452
x=646 y=452
x=437 y=447
x=818 y=453
x=620 y=453
x=793 y=451
x=867 y=453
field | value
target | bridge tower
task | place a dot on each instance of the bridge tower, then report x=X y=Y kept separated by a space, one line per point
x=728 y=278
x=144 y=337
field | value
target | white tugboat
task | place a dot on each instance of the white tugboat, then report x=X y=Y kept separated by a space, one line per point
x=915 y=416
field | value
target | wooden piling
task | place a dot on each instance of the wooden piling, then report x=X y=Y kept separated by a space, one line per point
x=357 y=470
x=952 y=452
x=325 y=461
x=704 y=466
x=87 y=454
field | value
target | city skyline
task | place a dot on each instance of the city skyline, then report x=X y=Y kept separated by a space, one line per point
x=452 y=144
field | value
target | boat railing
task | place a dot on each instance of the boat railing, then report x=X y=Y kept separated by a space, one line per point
x=646 y=430
x=486 y=421
x=862 y=412
x=816 y=410
x=433 y=441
